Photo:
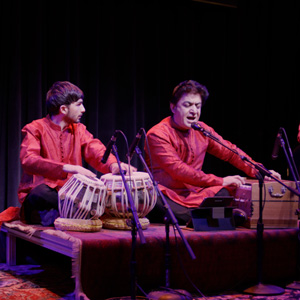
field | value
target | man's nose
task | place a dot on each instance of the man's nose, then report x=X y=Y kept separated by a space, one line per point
x=194 y=109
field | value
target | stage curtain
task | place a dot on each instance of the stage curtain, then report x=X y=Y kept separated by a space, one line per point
x=127 y=56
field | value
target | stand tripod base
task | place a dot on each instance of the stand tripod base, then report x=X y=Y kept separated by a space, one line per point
x=127 y=298
x=170 y=295
x=264 y=289
x=295 y=285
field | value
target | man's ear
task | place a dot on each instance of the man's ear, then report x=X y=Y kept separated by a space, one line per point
x=172 y=107
x=63 y=109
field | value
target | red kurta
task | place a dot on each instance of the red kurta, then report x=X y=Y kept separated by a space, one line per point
x=177 y=158
x=45 y=149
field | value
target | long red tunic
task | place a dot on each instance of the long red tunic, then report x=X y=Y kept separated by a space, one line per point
x=177 y=158
x=45 y=149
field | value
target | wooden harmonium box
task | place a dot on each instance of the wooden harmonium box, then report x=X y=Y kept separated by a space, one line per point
x=279 y=203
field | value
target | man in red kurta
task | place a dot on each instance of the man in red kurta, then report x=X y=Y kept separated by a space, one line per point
x=52 y=150
x=177 y=153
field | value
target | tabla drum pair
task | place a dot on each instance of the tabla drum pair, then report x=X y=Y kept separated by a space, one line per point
x=83 y=200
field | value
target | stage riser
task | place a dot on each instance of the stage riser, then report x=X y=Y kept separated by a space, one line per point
x=225 y=260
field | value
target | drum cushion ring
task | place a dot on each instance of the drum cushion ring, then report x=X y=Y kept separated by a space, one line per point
x=122 y=224
x=78 y=224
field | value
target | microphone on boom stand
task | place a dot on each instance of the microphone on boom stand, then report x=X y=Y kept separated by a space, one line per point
x=135 y=223
x=171 y=219
x=109 y=146
x=198 y=127
x=259 y=289
x=277 y=144
x=134 y=144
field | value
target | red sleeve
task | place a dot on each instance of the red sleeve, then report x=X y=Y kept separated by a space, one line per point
x=31 y=160
x=164 y=151
x=93 y=151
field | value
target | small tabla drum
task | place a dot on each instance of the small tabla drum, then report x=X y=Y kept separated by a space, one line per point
x=82 y=198
x=118 y=209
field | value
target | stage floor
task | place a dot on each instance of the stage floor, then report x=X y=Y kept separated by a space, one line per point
x=225 y=260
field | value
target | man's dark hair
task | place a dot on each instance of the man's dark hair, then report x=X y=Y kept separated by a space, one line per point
x=62 y=93
x=189 y=87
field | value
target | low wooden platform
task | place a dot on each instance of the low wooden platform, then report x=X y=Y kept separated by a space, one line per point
x=224 y=259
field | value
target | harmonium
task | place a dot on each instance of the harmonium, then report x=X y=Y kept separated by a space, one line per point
x=280 y=205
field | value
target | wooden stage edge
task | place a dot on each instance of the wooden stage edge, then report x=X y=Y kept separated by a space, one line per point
x=225 y=260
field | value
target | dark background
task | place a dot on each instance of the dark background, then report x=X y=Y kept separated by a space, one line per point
x=127 y=56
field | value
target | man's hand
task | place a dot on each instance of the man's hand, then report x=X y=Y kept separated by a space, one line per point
x=75 y=169
x=275 y=174
x=235 y=180
x=114 y=168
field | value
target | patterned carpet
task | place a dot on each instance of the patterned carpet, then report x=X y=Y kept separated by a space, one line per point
x=48 y=282
x=32 y=282
x=42 y=275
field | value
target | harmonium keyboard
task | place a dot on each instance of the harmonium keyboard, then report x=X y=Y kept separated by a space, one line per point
x=280 y=205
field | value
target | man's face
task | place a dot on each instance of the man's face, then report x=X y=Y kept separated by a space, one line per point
x=187 y=110
x=75 y=111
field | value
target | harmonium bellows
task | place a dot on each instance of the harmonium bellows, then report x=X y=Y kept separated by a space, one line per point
x=280 y=205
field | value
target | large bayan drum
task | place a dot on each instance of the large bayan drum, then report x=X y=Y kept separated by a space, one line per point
x=117 y=203
x=82 y=198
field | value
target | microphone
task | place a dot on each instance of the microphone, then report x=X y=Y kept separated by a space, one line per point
x=198 y=127
x=277 y=144
x=109 y=147
x=134 y=143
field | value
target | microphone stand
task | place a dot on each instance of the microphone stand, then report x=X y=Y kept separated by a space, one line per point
x=170 y=218
x=259 y=289
x=292 y=166
x=135 y=225
x=289 y=157
x=259 y=167
x=290 y=161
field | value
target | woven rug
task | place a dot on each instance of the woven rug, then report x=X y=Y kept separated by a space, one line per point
x=42 y=275
x=36 y=282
